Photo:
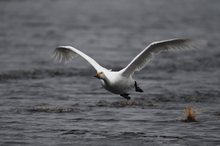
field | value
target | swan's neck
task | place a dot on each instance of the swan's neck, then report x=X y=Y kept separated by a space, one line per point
x=106 y=80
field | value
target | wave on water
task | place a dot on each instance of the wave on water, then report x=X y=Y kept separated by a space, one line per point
x=107 y=134
x=46 y=108
x=141 y=102
x=52 y=109
x=40 y=73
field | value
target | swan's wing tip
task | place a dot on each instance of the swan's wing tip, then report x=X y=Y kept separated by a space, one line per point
x=200 y=42
x=63 y=54
x=186 y=44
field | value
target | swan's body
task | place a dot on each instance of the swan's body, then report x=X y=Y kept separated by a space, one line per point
x=121 y=82
x=117 y=83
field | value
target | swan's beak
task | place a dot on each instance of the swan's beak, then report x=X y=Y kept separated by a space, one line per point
x=97 y=75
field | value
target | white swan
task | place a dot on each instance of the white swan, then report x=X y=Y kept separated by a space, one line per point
x=120 y=82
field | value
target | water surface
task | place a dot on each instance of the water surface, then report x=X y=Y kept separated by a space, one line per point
x=47 y=103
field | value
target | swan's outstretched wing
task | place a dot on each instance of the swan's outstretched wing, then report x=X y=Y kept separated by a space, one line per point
x=67 y=53
x=140 y=60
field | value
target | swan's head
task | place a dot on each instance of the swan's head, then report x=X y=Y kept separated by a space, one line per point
x=100 y=75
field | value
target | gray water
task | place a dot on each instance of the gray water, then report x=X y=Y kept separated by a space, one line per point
x=46 y=103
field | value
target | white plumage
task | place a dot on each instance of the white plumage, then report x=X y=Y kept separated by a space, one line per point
x=120 y=82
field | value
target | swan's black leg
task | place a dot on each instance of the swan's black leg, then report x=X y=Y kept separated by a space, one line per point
x=137 y=89
x=126 y=96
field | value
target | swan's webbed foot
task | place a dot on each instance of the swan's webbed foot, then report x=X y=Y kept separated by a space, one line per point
x=126 y=96
x=137 y=89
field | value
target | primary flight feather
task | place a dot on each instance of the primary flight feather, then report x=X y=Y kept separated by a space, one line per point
x=121 y=82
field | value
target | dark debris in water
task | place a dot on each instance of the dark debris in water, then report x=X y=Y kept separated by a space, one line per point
x=190 y=115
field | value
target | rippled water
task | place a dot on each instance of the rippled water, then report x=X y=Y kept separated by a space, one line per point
x=46 y=103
